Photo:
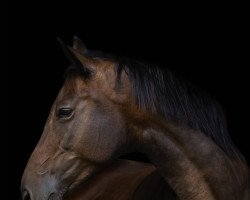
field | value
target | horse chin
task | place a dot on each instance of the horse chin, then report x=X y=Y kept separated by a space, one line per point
x=78 y=183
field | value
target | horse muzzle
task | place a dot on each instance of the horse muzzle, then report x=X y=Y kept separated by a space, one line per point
x=45 y=188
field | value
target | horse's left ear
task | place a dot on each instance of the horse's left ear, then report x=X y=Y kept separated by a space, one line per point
x=78 y=45
x=74 y=59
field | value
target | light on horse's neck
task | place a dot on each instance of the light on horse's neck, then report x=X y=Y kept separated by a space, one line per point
x=194 y=166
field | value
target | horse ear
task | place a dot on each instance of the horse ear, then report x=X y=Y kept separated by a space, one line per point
x=73 y=59
x=79 y=46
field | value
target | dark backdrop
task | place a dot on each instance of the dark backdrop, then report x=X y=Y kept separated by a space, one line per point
x=207 y=47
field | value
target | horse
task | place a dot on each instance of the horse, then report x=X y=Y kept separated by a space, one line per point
x=136 y=180
x=110 y=106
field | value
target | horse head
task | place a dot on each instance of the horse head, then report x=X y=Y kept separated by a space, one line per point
x=85 y=129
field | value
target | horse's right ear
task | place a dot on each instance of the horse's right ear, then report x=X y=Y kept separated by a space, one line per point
x=79 y=46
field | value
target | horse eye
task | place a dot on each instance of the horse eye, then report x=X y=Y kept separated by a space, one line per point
x=64 y=112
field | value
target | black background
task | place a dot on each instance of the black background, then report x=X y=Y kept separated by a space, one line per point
x=209 y=47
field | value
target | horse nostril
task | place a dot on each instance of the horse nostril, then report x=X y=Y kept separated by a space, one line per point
x=25 y=195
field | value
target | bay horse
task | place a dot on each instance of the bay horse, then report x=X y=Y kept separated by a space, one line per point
x=110 y=106
x=123 y=180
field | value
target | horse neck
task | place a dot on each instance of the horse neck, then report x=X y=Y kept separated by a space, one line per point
x=193 y=165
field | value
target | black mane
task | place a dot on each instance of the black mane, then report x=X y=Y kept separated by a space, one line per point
x=160 y=91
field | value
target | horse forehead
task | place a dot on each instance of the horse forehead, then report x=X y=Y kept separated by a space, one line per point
x=104 y=80
x=78 y=87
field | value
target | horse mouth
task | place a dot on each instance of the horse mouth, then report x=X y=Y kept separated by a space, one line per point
x=139 y=157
